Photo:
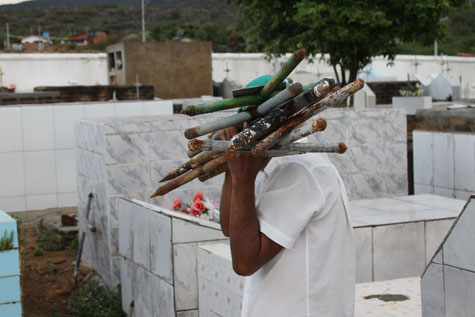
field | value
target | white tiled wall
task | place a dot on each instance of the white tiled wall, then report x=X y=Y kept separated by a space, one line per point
x=444 y=164
x=37 y=156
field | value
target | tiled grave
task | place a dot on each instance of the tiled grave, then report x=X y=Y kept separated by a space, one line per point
x=448 y=283
x=127 y=156
x=10 y=292
x=220 y=289
x=158 y=258
x=396 y=237
x=444 y=163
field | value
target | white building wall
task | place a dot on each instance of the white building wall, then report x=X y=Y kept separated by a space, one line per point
x=30 y=70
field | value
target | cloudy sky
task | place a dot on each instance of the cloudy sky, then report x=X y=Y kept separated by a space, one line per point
x=10 y=1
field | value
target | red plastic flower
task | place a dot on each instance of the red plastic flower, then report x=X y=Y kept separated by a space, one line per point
x=198 y=196
x=176 y=204
x=197 y=208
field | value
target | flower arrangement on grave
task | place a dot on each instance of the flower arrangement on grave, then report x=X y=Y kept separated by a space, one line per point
x=201 y=207
x=409 y=92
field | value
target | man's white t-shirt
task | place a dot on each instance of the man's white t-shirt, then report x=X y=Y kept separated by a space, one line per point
x=302 y=205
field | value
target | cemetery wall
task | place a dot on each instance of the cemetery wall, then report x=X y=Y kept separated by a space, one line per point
x=37 y=149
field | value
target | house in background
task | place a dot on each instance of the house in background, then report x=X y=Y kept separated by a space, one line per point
x=35 y=43
x=83 y=39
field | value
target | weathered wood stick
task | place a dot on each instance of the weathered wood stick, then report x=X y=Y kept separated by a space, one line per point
x=306 y=114
x=221 y=169
x=278 y=115
x=193 y=153
x=298 y=149
x=263 y=95
x=248 y=115
x=194 y=162
x=188 y=177
x=212 y=145
x=305 y=129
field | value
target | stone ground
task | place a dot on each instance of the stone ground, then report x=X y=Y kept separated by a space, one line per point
x=46 y=279
x=393 y=298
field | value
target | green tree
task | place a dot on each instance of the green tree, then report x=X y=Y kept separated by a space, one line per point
x=351 y=32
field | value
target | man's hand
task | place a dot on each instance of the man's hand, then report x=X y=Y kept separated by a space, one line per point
x=244 y=167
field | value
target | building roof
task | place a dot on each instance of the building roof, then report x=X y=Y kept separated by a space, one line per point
x=35 y=39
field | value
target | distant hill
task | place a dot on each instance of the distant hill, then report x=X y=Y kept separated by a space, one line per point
x=43 y=3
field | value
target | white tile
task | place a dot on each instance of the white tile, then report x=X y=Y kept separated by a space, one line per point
x=393 y=258
x=68 y=199
x=423 y=189
x=66 y=170
x=38 y=128
x=462 y=195
x=162 y=298
x=153 y=108
x=126 y=277
x=143 y=301
x=464 y=160
x=12 y=204
x=129 y=108
x=444 y=202
x=364 y=254
x=188 y=313
x=435 y=234
x=125 y=211
x=459 y=249
x=423 y=157
x=35 y=202
x=11 y=138
x=185 y=276
x=459 y=290
x=184 y=231
x=40 y=172
x=12 y=180
x=99 y=110
x=64 y=117
x=443 y=160
x=446 y=192
x=160 y=230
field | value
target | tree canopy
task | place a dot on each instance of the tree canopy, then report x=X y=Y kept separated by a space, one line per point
x=351 y=32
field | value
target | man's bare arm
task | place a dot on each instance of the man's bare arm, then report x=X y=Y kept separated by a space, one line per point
x=250 y=248
x=225 y=204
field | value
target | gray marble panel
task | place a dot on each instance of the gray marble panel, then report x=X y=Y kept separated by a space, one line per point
x=364 y=254
x=114 y=238
x=439 y=258
x=435 y=234
x=160 y=231
x=162 y=298
x=127 y=148
x=423 y=189
x=395 y=182
x=188 y=313
x=126 y=125
x=444 y=202
x=396 y=128
x=459 y=249
x=459 y=290
x=116 y=268
x=398 y=250
x=176 y=122
x=128 y=178
x=126 y=279
x=125 y=217
x=367 y=131
x=447 y=192
x=432 y=292
x=464 y=161
x=90 y=136
x=90 y=164
x=367 y=158
x=185 y=276
x=142 y=292
x=365 y=185
x=184 y=232
x=396 y=155
x=168 y=145
x=423 y=157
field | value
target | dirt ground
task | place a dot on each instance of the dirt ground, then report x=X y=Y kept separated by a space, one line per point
x=47 y=278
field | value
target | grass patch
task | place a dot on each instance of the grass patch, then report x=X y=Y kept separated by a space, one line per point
x=90 y=299
x=6 y=242
x=38 y=251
